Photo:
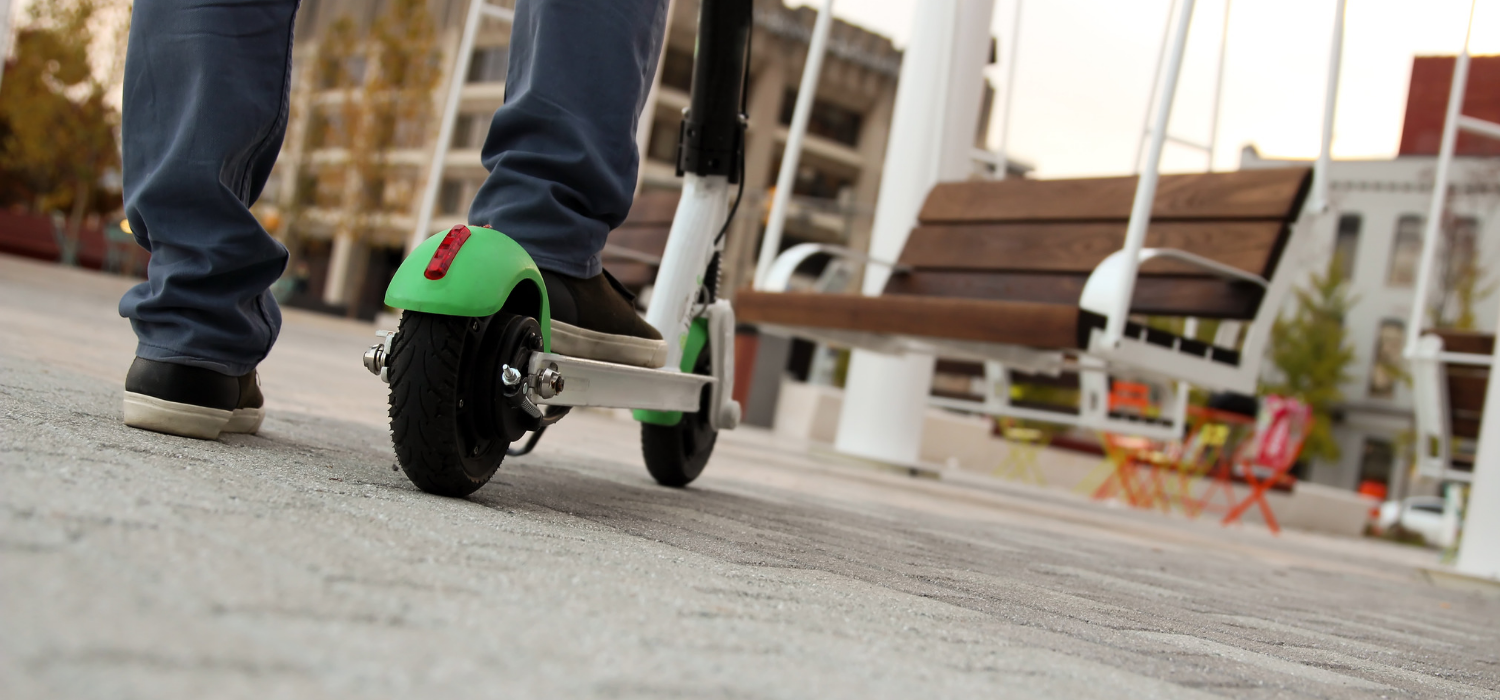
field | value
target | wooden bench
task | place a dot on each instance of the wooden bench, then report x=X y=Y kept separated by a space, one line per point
x=1449 y=400
x=633 y=251
x=998 y=271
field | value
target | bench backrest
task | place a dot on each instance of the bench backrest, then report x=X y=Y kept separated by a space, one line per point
x=1466 y=384
x=1038 y=240
x=645 y=231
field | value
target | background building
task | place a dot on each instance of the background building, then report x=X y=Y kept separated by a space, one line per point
x=317 y=183
x=837 y=179
x=1377 y=213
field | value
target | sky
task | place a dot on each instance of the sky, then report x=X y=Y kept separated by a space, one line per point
x=1084 y=70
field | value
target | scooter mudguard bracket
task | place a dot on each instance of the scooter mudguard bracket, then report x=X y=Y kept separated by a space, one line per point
x=478 y=272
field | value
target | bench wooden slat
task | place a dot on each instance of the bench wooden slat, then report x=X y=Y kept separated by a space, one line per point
x=1080 y=247
x=645 y=230
x=651 y=240
x=1466 y=384
x=633 y=275
x=1011 y=322
x=1206 y=297
x=653 y=207
x=1465 y=341
x=1005 y=262
x=1466 y=388
x=1275 y=193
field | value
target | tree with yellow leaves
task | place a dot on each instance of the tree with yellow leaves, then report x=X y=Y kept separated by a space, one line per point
x=385 y=81
x=57 y=130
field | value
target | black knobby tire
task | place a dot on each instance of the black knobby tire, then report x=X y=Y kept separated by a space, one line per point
x=426 y=374
x=676 y=454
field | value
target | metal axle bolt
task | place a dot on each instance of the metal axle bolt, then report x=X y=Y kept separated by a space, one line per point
x=510 y=376
x=549 y=382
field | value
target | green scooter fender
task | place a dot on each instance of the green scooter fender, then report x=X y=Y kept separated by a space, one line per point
x=488 y=272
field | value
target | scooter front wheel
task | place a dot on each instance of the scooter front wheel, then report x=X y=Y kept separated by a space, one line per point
x=676 y=454
x=450 y=423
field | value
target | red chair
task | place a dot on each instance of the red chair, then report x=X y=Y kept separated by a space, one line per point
x=1266 y=460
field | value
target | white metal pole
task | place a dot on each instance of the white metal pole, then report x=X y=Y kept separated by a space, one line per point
x=1161 y=52
x=4 y=31
x=1145 y=190
x=1010 y=88
x=931 y=140
x=812 y=68
x=1479 y=552
x=1213 y=121
x=445 y=127
x=1434 y=225
x=1318 y=202
x=647 y=122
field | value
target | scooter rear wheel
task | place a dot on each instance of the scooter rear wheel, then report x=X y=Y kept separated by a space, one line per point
x=676 y=454
x=449 y=424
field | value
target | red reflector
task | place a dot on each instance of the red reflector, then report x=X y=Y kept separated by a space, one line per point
x=446 y=251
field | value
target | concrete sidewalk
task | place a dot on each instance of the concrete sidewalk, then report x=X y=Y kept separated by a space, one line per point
x=296 y=563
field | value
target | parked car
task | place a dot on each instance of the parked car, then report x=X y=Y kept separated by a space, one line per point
x=1422 y=515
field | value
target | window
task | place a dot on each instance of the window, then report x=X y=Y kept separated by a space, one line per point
x=410 y=131
x=338 y=72
x=468 y=132
x=451 y=197
x=814 y=179
x=1346 y=245
x=400 y=192
x=489 y=64
x=663 y=145
x=1460 y=281
x=374 y=194
x=1375 y=464
x=326 y=129
x=1387 y=364
x=677 y=69
x=1463 y=233
x=827 y=120
x=329 y=191
x=1405 y=251
x=307 y=189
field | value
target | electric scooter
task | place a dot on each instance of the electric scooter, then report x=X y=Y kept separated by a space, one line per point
x=470 y=367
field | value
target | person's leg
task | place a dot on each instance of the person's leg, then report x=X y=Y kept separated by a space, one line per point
x=562 y=159
x=561 y=152
x=204 y=113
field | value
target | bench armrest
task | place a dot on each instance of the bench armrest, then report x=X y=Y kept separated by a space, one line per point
x=780 y=274
x=1104 y=282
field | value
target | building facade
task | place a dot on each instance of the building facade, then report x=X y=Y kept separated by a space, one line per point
x=317 y=179
x=307 y=202
x=1374 y=225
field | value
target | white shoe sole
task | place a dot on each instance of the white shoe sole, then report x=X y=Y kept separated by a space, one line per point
x=245 y=420
x=186 y=420
x=573 y=341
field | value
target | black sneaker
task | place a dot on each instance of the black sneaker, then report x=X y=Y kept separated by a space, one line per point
x=191 y=401
x=595 y=319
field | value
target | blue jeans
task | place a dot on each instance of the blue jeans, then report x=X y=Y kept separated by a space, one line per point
x=207 y=84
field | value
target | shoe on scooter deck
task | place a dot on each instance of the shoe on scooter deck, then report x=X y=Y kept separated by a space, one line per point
x=595 y=319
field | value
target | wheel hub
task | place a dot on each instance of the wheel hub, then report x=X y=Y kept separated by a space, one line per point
x=493 y=411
